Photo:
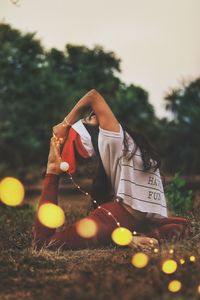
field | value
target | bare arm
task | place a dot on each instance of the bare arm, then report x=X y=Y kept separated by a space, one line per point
x=104 y=114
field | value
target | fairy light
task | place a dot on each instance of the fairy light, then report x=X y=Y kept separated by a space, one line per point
x=11 y=191
x=95 y=202
x=122 y=236
x=198 y=289
x=182 y=261
x=140 y=260
x=171 y=251
x=169 y=266
x=192 y=258
x=174 y=286
x=155 y=250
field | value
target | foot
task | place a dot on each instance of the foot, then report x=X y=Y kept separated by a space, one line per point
x=54 y=158
x=144 y=243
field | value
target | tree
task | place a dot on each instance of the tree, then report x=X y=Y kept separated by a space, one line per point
x=39 y=87
x=183 y=132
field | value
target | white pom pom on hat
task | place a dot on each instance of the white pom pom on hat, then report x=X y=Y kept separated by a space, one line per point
x=64 y=166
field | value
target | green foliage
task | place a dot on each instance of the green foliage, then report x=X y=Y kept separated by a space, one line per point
x=178 y=197
x=38 y=88
x=181 y=135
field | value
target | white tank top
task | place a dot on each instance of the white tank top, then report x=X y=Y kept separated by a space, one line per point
x=141 y=190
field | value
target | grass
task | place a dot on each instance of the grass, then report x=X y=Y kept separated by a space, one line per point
x=104 y=273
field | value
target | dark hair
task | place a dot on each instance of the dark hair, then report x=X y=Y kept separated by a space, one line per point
x=101 y=189
x=150 y=157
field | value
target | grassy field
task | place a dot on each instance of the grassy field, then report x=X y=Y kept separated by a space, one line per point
x=105 y=273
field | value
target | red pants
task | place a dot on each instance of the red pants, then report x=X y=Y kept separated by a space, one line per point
x=70 y=239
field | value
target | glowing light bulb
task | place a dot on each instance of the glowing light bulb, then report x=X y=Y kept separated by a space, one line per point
x=86 y=228
x=174 y=286
x=11 y=191
x=122 y=236
x=192 y=258
x=140 y=260
x=169 y=266
x=182 y=261
x=198 y=289
x=64 y=166
x=51 y=215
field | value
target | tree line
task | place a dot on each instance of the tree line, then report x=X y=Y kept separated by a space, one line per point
x=38 y=87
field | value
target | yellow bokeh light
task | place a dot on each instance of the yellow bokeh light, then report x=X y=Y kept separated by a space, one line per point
x=51 y=215
x=169 y=266
x=140 y=260
x=122 y=236
x=155 y=250
x=171 y=251
x=86 y=228
x=182 y=261
x=11 y=191
x=192 y=258
x=198 y=289
x=174 y=286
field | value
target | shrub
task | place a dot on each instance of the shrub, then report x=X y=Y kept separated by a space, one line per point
x=179 y=198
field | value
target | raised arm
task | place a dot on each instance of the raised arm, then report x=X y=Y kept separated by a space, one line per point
x=104 y=114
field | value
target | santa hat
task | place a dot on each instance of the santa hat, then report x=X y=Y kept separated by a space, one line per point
x=79 y=139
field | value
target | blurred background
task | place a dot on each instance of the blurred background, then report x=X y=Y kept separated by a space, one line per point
x=143 y=56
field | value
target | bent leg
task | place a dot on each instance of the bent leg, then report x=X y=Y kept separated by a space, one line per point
x=105 y=224
x=49 y=194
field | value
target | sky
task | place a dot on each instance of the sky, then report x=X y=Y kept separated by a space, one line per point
x=158 y=41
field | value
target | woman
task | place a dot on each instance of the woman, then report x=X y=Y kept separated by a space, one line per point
x=127 y=190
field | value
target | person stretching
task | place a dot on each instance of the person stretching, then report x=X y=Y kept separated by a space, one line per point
x=127 y=188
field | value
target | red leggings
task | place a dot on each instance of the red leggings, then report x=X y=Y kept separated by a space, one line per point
x=70 y=239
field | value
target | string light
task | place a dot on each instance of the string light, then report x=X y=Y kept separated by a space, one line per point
x=192 y=258
x=198 y=289
x=122 y=236
x=51 y=215
x=169 y=266
x=140 y=260
x=11 y=191
x=174 y=286
x=95 y=202
x=182 y=261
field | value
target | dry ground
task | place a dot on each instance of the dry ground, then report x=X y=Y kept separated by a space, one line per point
x=104 y=273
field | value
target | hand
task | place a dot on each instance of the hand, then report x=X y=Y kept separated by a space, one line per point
x=54 y=158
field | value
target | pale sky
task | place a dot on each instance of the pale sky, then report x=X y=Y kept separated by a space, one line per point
x=158 y=41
